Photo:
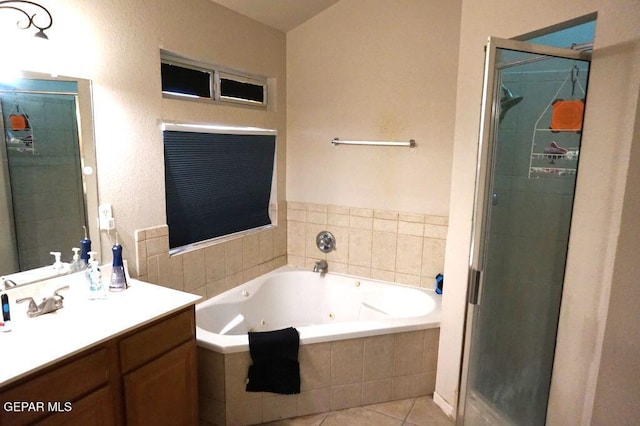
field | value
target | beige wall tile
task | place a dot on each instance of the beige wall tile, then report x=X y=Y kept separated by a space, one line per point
x=297 y=215
x=250 y=251
x=346 y=396
x=410 y=217
x=385 y=225
x=296 y=205
x=376 y=391
x=341 y=252
x=140 y=235
x=193 y=263
x=280 y=239
x=311 y=232
x=251 y=273
x=378 y=357
x=153 y=269
x=233 y=257
x=408 y=353
x=210 y=374
x=407 y=279
x=211 y=411
x=267 y=267
x=265 y=245
x=275 y=407
x=216 y=287
x=431 y=342
x=432 y=257
x=383 y=252
x=379 y=274
x=170 y=271
x=314 y=401
x=157 y=231
x=360 y=245
x=409 y=256
x=346 y=361
x=201 y=291
x=361 y=212
x=236 y=366
x=381 y=214
x=296 y=260
x=317 y=217
x=244 y=412
x=336 y=219
x=410 y=228
x=360 y=222
x=296 y=232
x=280 y=261
x=339 y=268
x=359 y=271
x=338 y=209
x=436 y=220
x=157 y=245
x=435 y=231
x=314 y=207
x=141 y=258
x=233 y=281
x=410 y=386
x=315 y=362
x=214 y=258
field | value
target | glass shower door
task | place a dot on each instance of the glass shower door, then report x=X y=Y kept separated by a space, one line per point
x=533 y=99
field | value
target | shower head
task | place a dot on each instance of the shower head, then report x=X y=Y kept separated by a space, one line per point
x=507 y=101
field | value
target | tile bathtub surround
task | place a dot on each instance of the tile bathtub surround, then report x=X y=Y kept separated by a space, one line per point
x=399 y=247
x=334 y=376
x=210 y=270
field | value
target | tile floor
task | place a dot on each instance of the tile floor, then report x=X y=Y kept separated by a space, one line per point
x=406 y=412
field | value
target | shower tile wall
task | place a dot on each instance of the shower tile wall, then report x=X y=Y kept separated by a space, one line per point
x=48 y=199
x=399 y=247
x=214 y=269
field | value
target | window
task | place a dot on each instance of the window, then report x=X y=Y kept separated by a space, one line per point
x=216 y=184
x=189 y=79
x=180 y=80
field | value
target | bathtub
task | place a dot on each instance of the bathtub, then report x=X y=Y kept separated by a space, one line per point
x=322 y=308
x=362 y=342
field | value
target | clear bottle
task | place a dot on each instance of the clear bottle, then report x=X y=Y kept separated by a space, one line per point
x=118 y=279
x=77 y=264
x=94 y=279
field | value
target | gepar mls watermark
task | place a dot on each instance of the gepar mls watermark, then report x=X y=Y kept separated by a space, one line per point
x=37 y=406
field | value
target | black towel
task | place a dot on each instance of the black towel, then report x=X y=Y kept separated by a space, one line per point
x=275 y=361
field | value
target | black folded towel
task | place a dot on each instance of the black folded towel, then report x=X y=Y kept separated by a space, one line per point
x=275 y=361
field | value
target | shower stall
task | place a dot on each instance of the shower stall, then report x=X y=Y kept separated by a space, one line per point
x=533 y=104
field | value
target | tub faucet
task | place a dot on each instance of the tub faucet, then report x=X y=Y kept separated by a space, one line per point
x=9 y=283
x=321 y=266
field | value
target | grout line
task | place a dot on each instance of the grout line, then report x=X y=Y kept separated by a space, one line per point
x=410 y=409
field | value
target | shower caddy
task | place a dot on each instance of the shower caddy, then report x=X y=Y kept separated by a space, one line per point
x=544 y=163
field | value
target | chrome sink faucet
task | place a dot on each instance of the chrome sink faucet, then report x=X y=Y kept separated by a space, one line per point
x=321 y=267
x=49 y=304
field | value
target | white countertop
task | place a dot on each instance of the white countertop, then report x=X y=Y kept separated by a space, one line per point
x=34 y=343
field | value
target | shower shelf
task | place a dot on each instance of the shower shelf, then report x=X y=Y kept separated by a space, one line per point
x=551 y=171
x=557 y=164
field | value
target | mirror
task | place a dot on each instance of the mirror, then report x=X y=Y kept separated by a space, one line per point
x=48 y=186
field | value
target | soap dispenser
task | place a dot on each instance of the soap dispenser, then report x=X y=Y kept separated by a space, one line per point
x=94 y=279
x=118 y=279
x=77 y=264
x=58 y=266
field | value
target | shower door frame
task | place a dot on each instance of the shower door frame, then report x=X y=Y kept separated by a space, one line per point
x=489 y=120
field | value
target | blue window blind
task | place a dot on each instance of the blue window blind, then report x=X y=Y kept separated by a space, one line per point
x=216 y=184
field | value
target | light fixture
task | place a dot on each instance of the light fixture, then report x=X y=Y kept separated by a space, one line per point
x=30 y=10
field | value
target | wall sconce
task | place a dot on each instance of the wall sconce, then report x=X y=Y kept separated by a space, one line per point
x=26 y=8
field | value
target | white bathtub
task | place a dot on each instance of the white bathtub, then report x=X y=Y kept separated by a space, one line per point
x=322 y=308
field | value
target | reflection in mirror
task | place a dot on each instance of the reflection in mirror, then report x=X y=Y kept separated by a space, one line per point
x=47 y=172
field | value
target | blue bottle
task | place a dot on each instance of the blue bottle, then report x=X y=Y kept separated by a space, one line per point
x=85 y=247
x=118 y=278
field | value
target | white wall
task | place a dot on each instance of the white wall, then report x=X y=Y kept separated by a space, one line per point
x=116 y=44
x=610 y=117
x=365 y=70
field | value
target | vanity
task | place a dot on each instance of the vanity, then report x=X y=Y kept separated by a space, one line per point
x=128 y=359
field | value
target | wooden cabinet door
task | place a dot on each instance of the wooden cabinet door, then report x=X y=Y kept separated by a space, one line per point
x=164 y=392
x=95 y=409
